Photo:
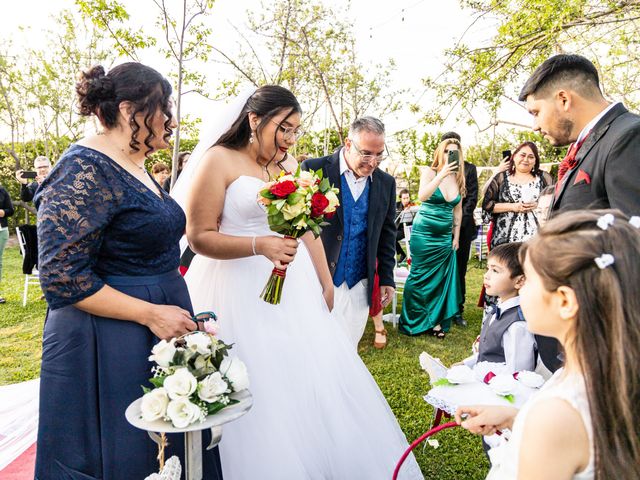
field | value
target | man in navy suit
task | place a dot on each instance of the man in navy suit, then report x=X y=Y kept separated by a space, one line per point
x=602 y=166
x=364 y=228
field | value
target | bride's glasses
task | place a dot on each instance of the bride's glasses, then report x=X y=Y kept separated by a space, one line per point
x=289 y=132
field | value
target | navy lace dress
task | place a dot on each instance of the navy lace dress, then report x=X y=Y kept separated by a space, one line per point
x=98 y=225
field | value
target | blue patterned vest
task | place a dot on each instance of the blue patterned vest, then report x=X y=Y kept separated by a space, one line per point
x=352 y=262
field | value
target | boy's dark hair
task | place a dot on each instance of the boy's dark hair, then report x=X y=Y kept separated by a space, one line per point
x=403 y=191
x=573 y=71
x=507 y=254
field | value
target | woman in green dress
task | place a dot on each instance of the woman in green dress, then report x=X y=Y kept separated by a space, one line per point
x=432 y=291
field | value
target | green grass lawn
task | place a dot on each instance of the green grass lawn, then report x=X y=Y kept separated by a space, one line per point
x=396 y=368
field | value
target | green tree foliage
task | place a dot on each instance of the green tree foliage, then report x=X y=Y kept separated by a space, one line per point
x=310 y=49
x=184 y=35
x=526 y=34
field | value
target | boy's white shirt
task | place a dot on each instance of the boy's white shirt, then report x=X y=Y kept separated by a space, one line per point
x=518 y=343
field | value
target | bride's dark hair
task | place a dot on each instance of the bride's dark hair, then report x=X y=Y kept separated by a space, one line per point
x=266 y=102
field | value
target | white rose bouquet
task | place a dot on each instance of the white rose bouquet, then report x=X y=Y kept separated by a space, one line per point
x=193 y=377
x=296 y=203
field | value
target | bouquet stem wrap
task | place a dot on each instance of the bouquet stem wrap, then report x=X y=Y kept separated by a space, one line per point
x=272 y=292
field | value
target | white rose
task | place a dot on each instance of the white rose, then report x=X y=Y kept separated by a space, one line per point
x=163 y=352
x=292 y=211
x=211 y=387
x=183 y=413
x=200 y=342
x=154 y=404
x=181 y=384
x=333 y=201
x=503 y=384
x=306 y=179
x=530 y=379
x=236 y=373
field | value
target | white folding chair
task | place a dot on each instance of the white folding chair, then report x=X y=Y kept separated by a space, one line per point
x=400 y=276
x=29 y=279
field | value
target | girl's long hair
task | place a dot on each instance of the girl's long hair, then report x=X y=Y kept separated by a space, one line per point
x=606 y=337
x=439 y=160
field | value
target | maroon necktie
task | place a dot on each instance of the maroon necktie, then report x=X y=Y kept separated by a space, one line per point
x=569 y=162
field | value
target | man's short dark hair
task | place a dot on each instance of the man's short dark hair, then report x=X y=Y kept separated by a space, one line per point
x=573 y=71
x=403 y=191
x=449 y=135
x=507 y=254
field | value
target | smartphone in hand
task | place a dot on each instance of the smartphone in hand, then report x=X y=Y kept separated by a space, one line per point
x=26 y=174
x=506 y=154
x=454 y=158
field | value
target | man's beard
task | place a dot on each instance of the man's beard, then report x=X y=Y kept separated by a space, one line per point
x=564 y=127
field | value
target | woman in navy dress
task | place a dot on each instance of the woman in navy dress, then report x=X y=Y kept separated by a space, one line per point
x=108 y=260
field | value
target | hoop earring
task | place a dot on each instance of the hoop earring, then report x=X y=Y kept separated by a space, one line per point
x=251 y=139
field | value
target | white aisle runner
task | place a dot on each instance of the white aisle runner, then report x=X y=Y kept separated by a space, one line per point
x=18 y=419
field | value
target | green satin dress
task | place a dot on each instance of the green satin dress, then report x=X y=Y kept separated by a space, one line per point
x=432 y=291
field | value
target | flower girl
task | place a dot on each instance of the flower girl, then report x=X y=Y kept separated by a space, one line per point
x=581 y=288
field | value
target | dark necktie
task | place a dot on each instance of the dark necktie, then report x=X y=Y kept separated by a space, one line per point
x=497 y=312
x=569 y=162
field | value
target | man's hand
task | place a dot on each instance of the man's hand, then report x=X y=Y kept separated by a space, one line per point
x=386 y=295
x=23 y=181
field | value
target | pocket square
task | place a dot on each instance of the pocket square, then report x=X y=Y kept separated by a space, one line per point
x=582 y=176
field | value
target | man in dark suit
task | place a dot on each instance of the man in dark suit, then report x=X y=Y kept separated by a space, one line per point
x=602 y=167
x=468 y=229
x=42 y=166
x=364 y=228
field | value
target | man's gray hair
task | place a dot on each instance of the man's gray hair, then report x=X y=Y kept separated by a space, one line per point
x=366 y=124
x=42 y=158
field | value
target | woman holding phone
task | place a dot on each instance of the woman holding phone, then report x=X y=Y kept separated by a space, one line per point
x=432 y=291
x=511 y=197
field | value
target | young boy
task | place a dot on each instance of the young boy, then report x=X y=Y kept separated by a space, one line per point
x=504 y=336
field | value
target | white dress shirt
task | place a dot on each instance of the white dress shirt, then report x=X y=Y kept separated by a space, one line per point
x=589 y=126
x=356 y=185
x=518 y=342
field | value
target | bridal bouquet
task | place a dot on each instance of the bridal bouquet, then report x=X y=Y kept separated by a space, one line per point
x=295 y=204
x=193 y=378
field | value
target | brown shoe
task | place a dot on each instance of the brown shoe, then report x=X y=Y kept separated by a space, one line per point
x=380 y=345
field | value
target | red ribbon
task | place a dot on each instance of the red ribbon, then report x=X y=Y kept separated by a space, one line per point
x=279 y=273
x=515 y=375
x=487 y=378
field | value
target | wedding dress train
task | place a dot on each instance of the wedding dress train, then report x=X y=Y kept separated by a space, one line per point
x=318 y=413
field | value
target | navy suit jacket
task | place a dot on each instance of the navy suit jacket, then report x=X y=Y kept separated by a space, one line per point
x=381 y=229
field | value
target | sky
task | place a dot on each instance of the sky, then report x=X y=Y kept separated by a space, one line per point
x=412 y=32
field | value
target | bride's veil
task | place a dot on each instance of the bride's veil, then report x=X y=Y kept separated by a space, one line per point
x=219 y=121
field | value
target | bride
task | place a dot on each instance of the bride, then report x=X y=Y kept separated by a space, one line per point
x=318 y=413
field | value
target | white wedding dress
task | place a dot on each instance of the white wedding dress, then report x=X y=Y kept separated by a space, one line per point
x=317 y=413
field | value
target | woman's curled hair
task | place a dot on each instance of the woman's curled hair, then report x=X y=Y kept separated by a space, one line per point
x=100 y=94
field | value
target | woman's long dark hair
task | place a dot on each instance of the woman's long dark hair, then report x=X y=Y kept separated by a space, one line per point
x=536 y=168
x=606 y=337
x=101 y=93
x=266 y=102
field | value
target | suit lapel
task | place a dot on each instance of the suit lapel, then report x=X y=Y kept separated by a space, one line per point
x=374 y=198
x=333 y=172
x=596 y=134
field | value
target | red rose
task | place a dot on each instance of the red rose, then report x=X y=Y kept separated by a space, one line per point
x=318 y=204
x=329 y=215
x=283 y=189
